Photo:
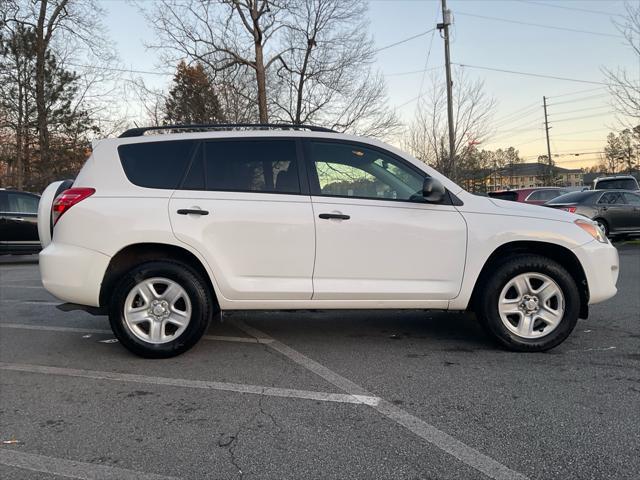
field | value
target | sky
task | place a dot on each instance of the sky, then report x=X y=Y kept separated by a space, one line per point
x=580 y=113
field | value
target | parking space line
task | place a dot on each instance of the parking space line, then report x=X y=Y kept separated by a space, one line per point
x=30 y=302
x=463 y=452
x=22 y=286
x=200 y=384
x=51 y=328
x=71 y=468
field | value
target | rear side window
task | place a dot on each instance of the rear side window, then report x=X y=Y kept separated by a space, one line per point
x=632 y=199
x=157 y=164
x=611 y=198
x=247 y=166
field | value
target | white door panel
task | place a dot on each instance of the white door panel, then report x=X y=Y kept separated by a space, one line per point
x=388 y=250
x=259 y=245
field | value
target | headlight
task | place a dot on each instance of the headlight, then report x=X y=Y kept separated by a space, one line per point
x=592 y=229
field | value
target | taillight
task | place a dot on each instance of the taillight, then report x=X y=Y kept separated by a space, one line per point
x=68 y=199
x=570 y=209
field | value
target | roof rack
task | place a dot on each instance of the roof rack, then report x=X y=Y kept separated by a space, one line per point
x=140 y=131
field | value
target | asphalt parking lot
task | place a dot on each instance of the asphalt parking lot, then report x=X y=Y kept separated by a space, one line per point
x=385 y=394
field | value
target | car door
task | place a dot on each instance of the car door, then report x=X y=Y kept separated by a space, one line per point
x=258 y=233
x=633 y=211
x=19 y=219
x=376 y=239
x=613 y=209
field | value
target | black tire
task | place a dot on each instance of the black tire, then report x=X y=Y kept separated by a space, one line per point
x=487 y=302
x=603 y=225
x=202 y=308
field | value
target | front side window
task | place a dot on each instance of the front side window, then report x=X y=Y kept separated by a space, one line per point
x=346 y=170
x=632 y=199
x=247 y=166
x=21 y=203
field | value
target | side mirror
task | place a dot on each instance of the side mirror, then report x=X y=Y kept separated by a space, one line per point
x=432 y=190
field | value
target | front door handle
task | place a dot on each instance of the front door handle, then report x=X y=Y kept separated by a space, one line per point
x=337 y=216
x=192 y=211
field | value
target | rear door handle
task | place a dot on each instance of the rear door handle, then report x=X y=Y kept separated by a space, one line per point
x=192 y=211
x=337 y=216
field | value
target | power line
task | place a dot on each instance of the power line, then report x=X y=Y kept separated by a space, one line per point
x=576 y=9
x=540 y=25
x=584 y=116
x=539 y=75
x=122 y=70
x=408 y=39
x=589 y=97
x=578 y=92
x=412 y=72
x=584 y=109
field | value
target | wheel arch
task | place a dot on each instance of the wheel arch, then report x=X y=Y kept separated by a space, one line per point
x=558 y=253
x=138 y=253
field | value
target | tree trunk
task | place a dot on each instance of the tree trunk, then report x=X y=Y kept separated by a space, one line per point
x=262 y=84
x=301 y=81
x=41 y=108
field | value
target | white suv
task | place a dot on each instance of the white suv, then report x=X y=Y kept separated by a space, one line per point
x=163 y=231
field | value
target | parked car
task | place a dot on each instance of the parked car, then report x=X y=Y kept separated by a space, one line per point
x=616 y=182
x=535 y=196
x=18 y=222
x=616 y=212
x=162 y=231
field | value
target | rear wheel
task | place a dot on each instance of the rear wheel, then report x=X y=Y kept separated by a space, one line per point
x=160 y=309
x=530 y=303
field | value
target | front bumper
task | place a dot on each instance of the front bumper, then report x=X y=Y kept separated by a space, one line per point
x=73 y=274
x=601 y=267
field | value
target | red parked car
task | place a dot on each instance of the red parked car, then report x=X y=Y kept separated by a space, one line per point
x=535 y=196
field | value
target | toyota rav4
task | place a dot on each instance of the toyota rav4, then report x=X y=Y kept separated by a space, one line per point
x=162 y=231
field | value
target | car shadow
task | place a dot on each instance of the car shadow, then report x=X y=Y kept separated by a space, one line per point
x=452 y=331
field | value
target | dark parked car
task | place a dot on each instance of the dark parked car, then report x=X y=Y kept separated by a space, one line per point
x=617 y=212
x=616 y=182
x=535 y=196
x=18 y=222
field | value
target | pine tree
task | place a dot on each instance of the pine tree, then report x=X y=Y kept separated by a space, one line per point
x=192 y=98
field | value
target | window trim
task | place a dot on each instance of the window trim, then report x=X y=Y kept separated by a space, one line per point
x=314 y=181
x=200 y=154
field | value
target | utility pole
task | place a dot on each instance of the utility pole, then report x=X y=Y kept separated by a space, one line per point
x=444 y=27
x=546 y=128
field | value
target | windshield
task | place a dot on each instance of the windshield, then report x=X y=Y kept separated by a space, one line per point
x=617 y=184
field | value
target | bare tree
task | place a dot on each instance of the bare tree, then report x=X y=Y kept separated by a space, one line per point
x=624 y=85
x=427 y=137
x=62 y=28
x=326 y=69
x=228 y=34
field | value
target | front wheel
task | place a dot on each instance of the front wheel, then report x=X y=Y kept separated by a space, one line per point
x=530 y=303
x=160 y=309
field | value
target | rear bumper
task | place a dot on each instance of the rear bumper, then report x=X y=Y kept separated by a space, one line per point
x=73 y=274
x=601 y=267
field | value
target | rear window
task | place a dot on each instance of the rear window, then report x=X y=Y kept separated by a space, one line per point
x=573 y=197
x=512 y=196
x=157 y=164
x=266 y=166
x=617 y=184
